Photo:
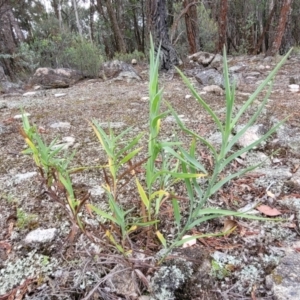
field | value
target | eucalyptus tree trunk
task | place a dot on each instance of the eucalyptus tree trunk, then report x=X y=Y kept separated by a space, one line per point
x=92 y=11
x=222 y=25
x=191 y=24
x=261 y=39
x=10 y=37
x=120 y=42
x=159 y=30
x=77 y=17
x=284 y=13
x=59 y=15
x=287 y=39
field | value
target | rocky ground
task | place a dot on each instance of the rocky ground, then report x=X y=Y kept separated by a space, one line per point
x=258 y=260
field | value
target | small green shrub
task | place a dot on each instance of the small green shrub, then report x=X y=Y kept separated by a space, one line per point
x=127 y=57
x=62 y=51
x=28 y=57
x=85 y=57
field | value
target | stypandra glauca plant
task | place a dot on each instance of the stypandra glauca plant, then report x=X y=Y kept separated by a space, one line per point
x=198 y=196
x=53 y=170
x=161 y=170
x=117 y=173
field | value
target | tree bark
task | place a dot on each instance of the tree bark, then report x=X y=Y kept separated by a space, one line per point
x=55 y=4
x=287 y=39
x=284 y=12
x=77 y=18
x=265 y=30
x=159 y=29
x=192 y=26
x=120 y=43
x=222 y=25
x=92 y=11
x=8 y=42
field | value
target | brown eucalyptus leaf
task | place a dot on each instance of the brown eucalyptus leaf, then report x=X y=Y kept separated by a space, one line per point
x=268 y=211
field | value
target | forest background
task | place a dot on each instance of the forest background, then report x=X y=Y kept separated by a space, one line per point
x=81 y=34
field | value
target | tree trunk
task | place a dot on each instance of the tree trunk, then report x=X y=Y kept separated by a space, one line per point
x=55 y=4
x=265 y=30
x=191 y=24
x=287 y=39
x=284 y=12
x=159 y=29
x=92 y=11
x=59 y=15
x=120 y=43
x=8 y=42
x=77 y=18
x=222 y=25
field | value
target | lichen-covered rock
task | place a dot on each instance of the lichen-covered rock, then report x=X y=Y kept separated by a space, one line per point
x=16 y=272
x=55 y=78
x=209 y=77
x=40 y=236
x=215 y=89
x=203 y=58
x=118 y=70
x=251 y=135
x=284 y=280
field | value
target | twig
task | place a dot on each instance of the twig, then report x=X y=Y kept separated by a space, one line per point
x=103 y=280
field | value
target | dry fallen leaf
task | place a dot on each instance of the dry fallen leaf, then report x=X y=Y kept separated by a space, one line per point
x=268 y=211
x=229 y=226
x=188 y=243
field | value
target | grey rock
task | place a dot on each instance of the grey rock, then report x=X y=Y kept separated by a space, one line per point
x=217 y=62
x=236 y=68
x=214 y=77
x=209 y=77
x=168 y=279
x=55 y=78
x=273 y=174
x=256 y=157
x=118 y=70
x=66 y=125
x=128 y=75
x=284 y=280
x=288 y=137
x=203 y=58
x=252 y=134
x=40 y=236
x=24 y=176
x=215 y=89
